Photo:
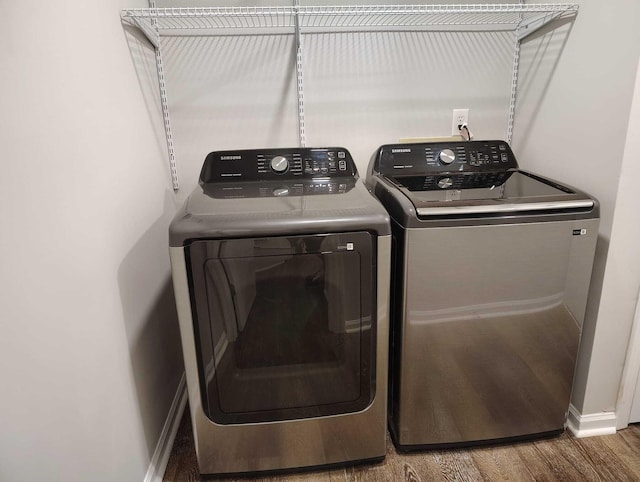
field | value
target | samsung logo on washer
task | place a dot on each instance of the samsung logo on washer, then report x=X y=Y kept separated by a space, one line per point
x=396 y=151
x=230 y=158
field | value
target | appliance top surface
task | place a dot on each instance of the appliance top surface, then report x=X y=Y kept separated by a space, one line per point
x=278 y=192
x=470 y=178
x=281 y=199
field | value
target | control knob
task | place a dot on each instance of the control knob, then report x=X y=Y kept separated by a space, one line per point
x=446 y=156
x=281 y=191
x=445 y=182
x=279 y=164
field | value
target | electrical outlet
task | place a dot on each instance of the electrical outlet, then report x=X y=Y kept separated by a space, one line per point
x=460 y=116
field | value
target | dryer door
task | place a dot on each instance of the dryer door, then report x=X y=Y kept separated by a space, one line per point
x=284 y=325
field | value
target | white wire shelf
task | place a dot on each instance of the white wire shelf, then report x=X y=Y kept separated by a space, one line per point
x=296 y=19
x=168 y=21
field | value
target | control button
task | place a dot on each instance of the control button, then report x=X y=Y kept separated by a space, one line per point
x=342 y=165
x=341 y=155
x=445 y=182
x=281 y=191
x=446 y=156
x=504 y=158
x=279 y=164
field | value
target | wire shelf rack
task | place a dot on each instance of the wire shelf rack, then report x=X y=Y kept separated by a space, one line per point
x=522 y=19
x=345 y=16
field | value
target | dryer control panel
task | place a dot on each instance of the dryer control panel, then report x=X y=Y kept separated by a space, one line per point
x=277 y=164
x=439 y=157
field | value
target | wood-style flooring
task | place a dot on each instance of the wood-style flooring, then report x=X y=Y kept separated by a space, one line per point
x=564 y=458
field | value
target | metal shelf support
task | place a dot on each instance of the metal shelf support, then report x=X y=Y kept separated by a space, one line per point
x=164 y=102
x=514 y=79
x=531 y=25
x=301 y=133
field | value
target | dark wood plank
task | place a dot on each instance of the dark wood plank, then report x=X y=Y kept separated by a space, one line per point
x=626 y=445
x=564 y=458
x=565 y=462
x=456 y=465
x=606 y=460
x=501 y=463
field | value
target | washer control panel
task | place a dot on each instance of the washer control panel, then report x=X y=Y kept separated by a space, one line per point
x=277 y=164
x=442 y=157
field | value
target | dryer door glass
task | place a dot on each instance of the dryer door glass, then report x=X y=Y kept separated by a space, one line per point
x=284 y=326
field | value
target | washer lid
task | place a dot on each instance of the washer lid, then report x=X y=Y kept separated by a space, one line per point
x=488 y=193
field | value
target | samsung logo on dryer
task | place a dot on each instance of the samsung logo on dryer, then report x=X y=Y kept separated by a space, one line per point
x=230 y=158
x=396 y=151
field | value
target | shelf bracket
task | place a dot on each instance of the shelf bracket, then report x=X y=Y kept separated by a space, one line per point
x=529 y=26
x=146 y=28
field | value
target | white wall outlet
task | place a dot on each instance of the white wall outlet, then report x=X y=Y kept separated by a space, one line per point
x=460 y=116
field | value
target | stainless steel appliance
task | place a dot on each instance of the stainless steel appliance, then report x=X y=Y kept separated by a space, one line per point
x=280 y=262
x=490 y=273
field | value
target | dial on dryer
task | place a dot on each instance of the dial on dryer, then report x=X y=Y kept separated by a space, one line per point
x=279 y=164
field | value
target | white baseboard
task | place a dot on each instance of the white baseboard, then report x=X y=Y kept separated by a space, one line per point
x=591 y=424
x=160 y=458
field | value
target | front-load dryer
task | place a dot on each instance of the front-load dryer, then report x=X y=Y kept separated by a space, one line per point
x=490 y=277
x=281 y=266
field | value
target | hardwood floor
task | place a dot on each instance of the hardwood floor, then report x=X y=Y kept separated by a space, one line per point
x=564 y=458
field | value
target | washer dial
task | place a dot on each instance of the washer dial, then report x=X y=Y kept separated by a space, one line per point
x=446 y=156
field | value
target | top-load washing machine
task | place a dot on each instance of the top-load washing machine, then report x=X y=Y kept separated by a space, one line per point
x=490 y=276
x=281 y=265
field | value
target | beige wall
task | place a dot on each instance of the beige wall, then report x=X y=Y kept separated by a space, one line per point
x=622 y=275
x=571 y=125
x=89 y=350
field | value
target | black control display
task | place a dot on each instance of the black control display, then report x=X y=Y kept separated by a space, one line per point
x=277 y=164
x=422 y=159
